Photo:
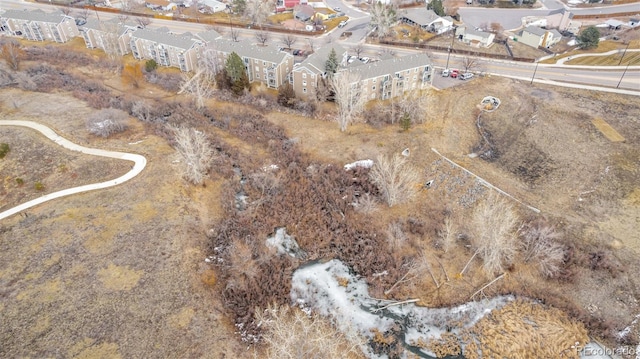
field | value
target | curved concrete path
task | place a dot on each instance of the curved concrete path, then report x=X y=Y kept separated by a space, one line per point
x=139 y=164
x=608 y=53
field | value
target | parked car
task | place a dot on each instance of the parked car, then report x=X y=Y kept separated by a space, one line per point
x=446 y=73
x=454 y=73
x=466 y=76
x=295 y=52
x=342 y=23
x=336 y=9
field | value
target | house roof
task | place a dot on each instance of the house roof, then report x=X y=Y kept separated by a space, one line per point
x=108 y=25
x=184 y=41
x=35 y=15
x=481 y=34
x=535 y=30
x=614 y=23
x=560 y=11
x=390 y=66
x=306 y=10
x=208 y=36
x=247 y=49
x=316 y=61
x=555 y=33
x=420 y=16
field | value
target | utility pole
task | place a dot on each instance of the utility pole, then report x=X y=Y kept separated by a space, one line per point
x=624 y=53
x=624 y=73
x=453 y=37
x=534 y=73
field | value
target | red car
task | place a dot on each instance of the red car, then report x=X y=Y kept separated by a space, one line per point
x=454 y=73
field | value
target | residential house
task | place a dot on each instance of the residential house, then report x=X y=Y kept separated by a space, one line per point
x=211 y=6
x=324 y=14
x=475 y=38
x=304 y=12
x=614 y=24
x=167 y=49
x=263 y=63
x=427 y=20
x=112 y=36
x=160 y=5
x=559 y=19
x=37 y=25
x=307 y=74
x=538 y=37
x=282 y=5
x=390 y=78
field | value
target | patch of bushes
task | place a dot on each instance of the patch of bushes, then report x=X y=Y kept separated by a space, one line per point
x=4 y=149
x=19 y=181
x=38 y=186
x=106 y=122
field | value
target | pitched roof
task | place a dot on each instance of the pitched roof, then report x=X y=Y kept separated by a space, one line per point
x=535 y=30
x=482 y=34
x=108 y=25
x=317 y=60
x=247 y=49
x=556 y=33
x=420 y=16
x=614 y=23
x=184 y=41
x=208 y=36
x=561 y=11
x=390 y=66
x=35 y=15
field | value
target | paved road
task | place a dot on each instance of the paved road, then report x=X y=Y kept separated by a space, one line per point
x=139 y=164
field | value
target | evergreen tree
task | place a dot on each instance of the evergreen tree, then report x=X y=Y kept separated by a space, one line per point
x=236 y=73
x=405 y=122
x=238 y=6
x=331 y=66
x=436 y=6
x=589 y=38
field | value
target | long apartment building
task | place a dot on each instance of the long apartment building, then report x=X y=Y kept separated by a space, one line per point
x=263 y=63
x=393 y=77
x=37 y=25
x=307 y=74
x=111 y=36
x=167 y=49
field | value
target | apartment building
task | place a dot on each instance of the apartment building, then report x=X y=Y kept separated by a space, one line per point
x=393 y=77
x=112 y=36
x=306 y=75
x=263 y=63
x=37 y=25
x=166 y=48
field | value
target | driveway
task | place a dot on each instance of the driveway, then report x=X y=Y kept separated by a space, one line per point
x=139 y=164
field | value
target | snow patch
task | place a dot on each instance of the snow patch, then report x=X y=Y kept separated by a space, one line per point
x=361 y=163
x=285 y=244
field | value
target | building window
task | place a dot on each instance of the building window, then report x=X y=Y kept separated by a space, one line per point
x=373 y=87
x=264 y=63
x=304 y=90
x=255 y=61
x=375 y=80
x=304 y=83
x=304 y=76
x=257 y=68
x=313 y=76
x=416 y=70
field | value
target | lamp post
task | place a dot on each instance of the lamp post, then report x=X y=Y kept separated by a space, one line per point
x=534 y=73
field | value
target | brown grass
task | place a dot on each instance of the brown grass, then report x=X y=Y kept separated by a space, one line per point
x=609 y=132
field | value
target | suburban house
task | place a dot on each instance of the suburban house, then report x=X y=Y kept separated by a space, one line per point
x=211 y=6
x=475 y=38
x=303 y=12
x=37 y=25
x=160 y=5
x=428 y=20
x=111 y=36
x=263 y=64
x=282 y=5
x=167 y=49
x=393 y=77
x=305 y=75
x=559 y=19
x=614 y=24
x=538 y=37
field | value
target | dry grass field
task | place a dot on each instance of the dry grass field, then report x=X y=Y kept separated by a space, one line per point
x=121 y=272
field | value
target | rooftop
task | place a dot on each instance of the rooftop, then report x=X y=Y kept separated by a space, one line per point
x=390 y=66
x=317 y=60
x=420 y=16
x=247 y=49
x=35 y=15
x=184 y=41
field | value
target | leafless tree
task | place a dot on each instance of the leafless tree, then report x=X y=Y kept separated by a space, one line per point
x=257 y=11
x=470 y=63
x=387 y=51
x=348 y=95
x=195 y=153
x=396 y=236
x=288 y=40
x=66 y=10
x=358 y=50
x=366 y=204
x=291 y=333
x=311 y=44
x=540 y=245
x=123 y=16
x=448 y=233
x=415 y=105
x=234 y=34
x=12 y=53
x=109 y=39
x=143 y=21
x=106 y=122
x=210 y=63
x=82 y=14
x=396 y=179
x=494 y=223
x=262 y=37
x=383 y=16
x=198 y=85
x=142 y=111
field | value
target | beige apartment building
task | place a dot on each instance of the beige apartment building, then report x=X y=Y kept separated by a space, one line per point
x=111 y=36
x=37 y=25
x=306 y=75
x=166 y=48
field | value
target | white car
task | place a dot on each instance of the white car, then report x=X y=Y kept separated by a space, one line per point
x=342 y=23
x=336 y=9
x=466 y=76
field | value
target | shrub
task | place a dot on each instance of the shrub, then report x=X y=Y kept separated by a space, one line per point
x=195 y=153
x=38 y=186
x=396 y=179
x=19 y=181
x=107 y=122
x=286 y=95
x=150 y=65
x=4 y=149
x=540 y=246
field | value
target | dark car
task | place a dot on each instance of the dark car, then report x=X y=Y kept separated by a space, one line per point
x=296 y=52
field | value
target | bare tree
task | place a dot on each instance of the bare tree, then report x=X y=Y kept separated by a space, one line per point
x=358 y=50
x=288 y=40
x=494 y=221
x=311 y=44
x=107 y=122
x=262 y=37
x=210 y=63
x=387 y=51
x=234 y=34
x=470 y=63
x=198 y=85
x=396 y=179
x=291 y=333
x=109 y=39
x=348 y=95
x=12 y=53
x=414 y=105
x=257 y=11
x=82 y=14
x=143 y=22
x=195 y=153
x=66 y=10
x=448 y=233
x=540 y=245
x=383 y=16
